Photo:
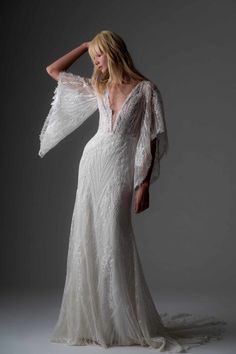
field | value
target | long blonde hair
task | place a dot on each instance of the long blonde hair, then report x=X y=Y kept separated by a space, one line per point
x=119 y=61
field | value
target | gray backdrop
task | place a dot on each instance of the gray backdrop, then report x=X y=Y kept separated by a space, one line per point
x=186 y=238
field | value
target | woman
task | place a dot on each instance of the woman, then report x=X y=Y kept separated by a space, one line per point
x=106 y=299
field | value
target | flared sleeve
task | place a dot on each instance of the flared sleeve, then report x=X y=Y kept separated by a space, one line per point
x=74 y=100
x=152 y=126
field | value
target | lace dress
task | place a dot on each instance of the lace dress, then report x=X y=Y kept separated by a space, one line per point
x=106 y=299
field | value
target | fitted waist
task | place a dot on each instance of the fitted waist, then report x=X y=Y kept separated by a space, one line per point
x=114 y=135
x=104 y=140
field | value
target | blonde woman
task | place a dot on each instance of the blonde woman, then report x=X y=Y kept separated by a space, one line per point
x=106 y=299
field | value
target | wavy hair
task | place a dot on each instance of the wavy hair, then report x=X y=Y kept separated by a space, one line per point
x=119 y=61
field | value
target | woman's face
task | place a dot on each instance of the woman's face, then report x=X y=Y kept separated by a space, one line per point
x=100 y=61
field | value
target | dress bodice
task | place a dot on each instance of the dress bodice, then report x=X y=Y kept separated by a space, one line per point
x=141 y=119
x=128 y=118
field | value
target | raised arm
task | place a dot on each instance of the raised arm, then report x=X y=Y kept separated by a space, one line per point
x=66 y=61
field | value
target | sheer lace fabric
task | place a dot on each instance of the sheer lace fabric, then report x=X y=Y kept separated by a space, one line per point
x=140 y=118
x=106 y=299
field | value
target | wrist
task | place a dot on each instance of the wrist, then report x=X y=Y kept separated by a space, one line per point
x=145 y=184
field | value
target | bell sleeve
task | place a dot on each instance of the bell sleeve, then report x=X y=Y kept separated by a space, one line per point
x=74 y=100
x=152 y=126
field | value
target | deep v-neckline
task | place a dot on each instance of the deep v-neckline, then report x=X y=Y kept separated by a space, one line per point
x=113 y=126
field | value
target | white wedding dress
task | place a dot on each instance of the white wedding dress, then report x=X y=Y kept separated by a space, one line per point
x=106 y=299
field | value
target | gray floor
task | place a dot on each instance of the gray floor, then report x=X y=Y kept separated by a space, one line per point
x=28 y=318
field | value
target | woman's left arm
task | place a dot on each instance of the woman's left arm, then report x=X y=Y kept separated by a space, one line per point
x=142 y=193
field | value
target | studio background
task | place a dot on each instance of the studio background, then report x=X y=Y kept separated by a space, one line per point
x=186 y=239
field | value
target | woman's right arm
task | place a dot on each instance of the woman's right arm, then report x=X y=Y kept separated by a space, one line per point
x=66 y=61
